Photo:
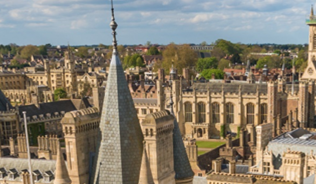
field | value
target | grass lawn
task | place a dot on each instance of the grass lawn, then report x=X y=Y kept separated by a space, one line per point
x=208 y=144
x=201 y=152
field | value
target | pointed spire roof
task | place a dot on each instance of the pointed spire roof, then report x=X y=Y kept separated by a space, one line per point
x=312 y=11
x=121 y=148
x=182 y=165
x=145 y=176
x=4 y=102
x=61 y=173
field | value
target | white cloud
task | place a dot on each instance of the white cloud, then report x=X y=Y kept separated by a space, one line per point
x=185 y=16
x=78 y=24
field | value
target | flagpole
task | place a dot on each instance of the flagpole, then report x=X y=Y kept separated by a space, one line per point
x=28 y=148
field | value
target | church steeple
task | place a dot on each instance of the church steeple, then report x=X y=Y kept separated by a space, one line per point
x=120 y=150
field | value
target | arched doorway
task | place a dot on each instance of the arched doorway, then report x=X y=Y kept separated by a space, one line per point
x=199 y=133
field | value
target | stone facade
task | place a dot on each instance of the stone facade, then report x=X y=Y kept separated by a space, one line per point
x=157 y=130
x=81 y=132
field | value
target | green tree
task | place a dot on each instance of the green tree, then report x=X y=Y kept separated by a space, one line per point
x=223 y=63
x=28 y=51
x=235 y=58
x=208 y=73
x=42 y=50
x=270 y=61
x=59 y=93
x=218 y=53
x=86 y=89
x=228 y=47
x=133 y=61
x=204 y=43
x=277 y=52
x=140 y=62
x=102 y=45
x=14 y=62
x=82 y=52
x=152 y=51
x=206 y=63
x=182 y=56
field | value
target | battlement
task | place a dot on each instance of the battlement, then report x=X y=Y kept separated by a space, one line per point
x=146 y=104
x=84 y=112
x=158 y=119
x=11 y=111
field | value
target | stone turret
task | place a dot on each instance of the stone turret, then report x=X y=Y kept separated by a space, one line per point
x=61 y=173
x=145 y=176
x=22 y=150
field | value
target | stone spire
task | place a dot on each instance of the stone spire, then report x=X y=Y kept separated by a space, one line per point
x=145 y=176
x=312 y=13
x=121 y=148
x=248 y=67
x=182 y=165
x=61 y=173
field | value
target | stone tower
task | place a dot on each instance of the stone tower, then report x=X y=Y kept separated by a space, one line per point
x=310 y=71
x=158 y=134
x=47 y=73
x=121 y=147
x=81 y=132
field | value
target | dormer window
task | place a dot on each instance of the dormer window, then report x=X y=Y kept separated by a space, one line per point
x=13 y=173
x=3 y=173
x=37 y=175
x=48 y=176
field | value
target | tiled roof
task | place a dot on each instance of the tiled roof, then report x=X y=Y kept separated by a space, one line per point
x=4 y=102
x=51 y=107
x=120 y=152
x=18 y=165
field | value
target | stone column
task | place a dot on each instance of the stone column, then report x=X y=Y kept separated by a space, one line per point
x=217 y=165
x=296 y=118
x=12 y=146
x=290 y=119
x=278 y=123
x=232 y=167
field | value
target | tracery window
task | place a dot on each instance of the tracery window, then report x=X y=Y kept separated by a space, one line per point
x=250 y=113
x=201 y=112
x=229 y=113
x=215 y=113
x=263 y=112
x=188 y=111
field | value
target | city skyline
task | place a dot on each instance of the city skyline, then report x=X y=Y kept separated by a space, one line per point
x=81 y=22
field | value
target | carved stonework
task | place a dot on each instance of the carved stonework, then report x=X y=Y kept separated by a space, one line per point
x=310 y=71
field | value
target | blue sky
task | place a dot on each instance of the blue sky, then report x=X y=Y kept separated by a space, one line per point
x=159 y=21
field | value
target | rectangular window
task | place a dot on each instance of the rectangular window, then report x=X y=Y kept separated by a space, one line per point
x=188 y=111
x=144 y=111
x=201 y=111
x=215 y=113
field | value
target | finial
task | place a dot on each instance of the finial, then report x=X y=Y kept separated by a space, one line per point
x=113 y=26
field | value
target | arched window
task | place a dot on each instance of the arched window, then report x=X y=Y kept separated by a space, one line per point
x=229 y=113
x=201 y=113
x=250 y=113
x=215 y=113
x=263 y=112
x=188 y=111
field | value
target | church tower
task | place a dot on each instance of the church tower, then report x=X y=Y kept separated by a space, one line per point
x=120 y=151
x=310 y=71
